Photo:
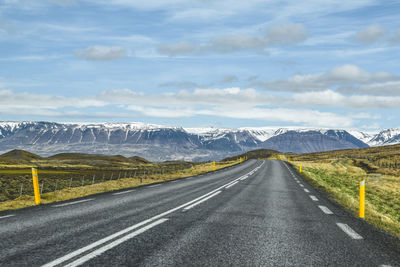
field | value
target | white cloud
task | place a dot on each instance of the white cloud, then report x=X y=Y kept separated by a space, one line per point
x=14 y=101
x=329 y=98
x=371 y=34
x=346 y=76
x=196 y=14
x=229 y=79
x=288 y=34
x=302 y=116
x=276 y=35
x=101 y=53
x=246 y=104
x=181 y=48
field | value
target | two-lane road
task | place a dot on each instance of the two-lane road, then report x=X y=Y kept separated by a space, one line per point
x=260 y=213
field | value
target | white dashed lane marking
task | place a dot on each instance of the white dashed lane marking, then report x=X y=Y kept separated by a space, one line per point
x=314 y=198
x=123 y=192
x=350 y=232
x=7 y=216
x=72 y=203
x=325 y=210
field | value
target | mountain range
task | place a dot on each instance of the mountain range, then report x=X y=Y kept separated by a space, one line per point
x=159 y=143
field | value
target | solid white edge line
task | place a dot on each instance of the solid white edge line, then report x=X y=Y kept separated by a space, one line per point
x=325 y=209
x=7 y=216
x=72 y=203
x=350 y=232
x=232 y=184
x=108 y=238
x=123 y=192
x=154 y=185
x=113 y=244
x=314 y=198
x=201 y=201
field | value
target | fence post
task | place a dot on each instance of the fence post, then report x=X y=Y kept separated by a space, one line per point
x=103 y=178
x=111 y=176
x=94 y=176
x=83 y=180
x=55 y=189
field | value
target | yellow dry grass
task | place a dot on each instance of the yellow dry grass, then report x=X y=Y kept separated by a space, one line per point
x=76 y=192
x=341 y=179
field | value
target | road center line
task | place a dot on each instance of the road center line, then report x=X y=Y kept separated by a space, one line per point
x=306 y=190
x=123 y=192
x=115 y=243
x=7 y=216
x=232 y=184
x=201 y=201
x=325 y=209
x=108 y=238
x=314 y=198
x=301 y=185
x=350 y=232
x=72 y=203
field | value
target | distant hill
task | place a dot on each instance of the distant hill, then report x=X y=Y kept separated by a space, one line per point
x=96 y=157
x=83 y=156
x=20 y=155
x=383 y=159
x=255 y=154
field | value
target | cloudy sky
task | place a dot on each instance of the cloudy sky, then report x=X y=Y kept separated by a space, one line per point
x=189 y=63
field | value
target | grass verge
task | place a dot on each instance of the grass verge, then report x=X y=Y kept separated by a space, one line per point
x=82 y=191
x=340 y=178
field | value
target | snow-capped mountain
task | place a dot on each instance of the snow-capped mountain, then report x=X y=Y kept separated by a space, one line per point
x=386 y=137
x=157 y=142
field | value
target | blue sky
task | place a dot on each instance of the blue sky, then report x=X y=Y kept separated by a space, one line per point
x=202 y=62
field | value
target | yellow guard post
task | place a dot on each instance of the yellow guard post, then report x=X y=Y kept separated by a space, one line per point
x=36 y=186
x=362 y=200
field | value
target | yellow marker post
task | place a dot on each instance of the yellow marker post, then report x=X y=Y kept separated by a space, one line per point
x=362 y=200
x=240 y=160
x=213 y=165
x=300 y=168
x=36 y=186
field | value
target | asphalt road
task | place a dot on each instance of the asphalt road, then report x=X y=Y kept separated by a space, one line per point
x=260 y=213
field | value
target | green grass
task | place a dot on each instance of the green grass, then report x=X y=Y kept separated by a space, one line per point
x=10 y=187
x=29 y=171
x=341 y=177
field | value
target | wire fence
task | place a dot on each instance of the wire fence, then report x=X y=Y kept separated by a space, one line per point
x=14 y=185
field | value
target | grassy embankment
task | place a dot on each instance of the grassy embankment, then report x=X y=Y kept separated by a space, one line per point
x=339 y=173
x=58 y=170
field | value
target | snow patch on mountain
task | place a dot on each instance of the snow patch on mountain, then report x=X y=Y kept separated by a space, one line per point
x=386 y=137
